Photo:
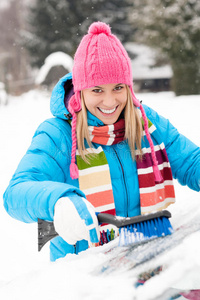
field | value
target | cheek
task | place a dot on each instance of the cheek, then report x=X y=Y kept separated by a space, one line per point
x=86 y=98
x=90 y=102
x=123 y=100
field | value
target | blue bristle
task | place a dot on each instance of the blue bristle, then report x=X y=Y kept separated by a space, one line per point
x=149 y=226
x=130 y=229
x=134 y=236
x=165 y=231
x=160 y=226
x=121 y=237
x=131 y=234
x=168 y=226
x=126 y=235
x=142 y=228
x=140 y=232
x=138 y=229
x=146 y=230
x=155 y=228
x=152 y=229
x=159 y=232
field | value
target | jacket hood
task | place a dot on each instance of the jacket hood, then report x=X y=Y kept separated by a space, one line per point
x=61 y=94
x=60 y=97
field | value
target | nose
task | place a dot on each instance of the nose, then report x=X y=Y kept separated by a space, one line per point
x=109 y=100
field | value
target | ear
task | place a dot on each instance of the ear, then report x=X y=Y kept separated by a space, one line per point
x=75 y=103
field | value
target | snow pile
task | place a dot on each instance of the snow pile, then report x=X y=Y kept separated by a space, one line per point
x=55 y=59
x=27 y=274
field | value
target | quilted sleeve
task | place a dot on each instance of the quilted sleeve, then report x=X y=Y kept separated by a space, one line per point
x=42 y=176
x=183 y=154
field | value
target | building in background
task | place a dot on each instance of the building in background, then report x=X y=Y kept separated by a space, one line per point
x=147 y=75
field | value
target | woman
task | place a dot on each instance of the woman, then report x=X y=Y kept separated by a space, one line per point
x=102 y=145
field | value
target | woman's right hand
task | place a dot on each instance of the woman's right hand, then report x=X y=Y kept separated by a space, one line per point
x=75 y=220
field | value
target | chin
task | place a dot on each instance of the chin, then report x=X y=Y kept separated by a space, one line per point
x=109 y=122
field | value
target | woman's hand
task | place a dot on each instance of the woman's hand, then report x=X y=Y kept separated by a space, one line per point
x=75 y=220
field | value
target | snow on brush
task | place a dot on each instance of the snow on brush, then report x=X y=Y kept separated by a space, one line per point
x=28 y=274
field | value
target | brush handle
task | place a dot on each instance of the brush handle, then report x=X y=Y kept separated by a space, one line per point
x=46 y=230
x=122 y=221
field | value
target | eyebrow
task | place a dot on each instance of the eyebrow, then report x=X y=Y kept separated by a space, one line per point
x=96 y=86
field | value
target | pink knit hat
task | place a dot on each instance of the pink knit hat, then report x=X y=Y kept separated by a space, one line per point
x=101 y=59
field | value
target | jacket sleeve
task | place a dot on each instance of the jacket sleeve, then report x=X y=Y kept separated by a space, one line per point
x=184 y=155
x=42 y=176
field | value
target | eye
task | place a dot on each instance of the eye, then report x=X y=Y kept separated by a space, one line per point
x=97 y=91
x=118 y=88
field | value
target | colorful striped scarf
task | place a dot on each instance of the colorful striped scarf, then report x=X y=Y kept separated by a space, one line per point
x=109 y=134
x=95 y=181
x=154 y=196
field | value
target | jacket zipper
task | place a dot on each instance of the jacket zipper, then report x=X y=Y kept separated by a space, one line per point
x=126 y=211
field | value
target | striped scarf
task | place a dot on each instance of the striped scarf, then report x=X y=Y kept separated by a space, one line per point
x=154 y=196
x=109 y=134
x=95 y=181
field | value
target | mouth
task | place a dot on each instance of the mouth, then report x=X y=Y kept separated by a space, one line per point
x=108 y=111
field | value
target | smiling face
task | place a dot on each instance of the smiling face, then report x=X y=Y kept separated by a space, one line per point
x=106 y=101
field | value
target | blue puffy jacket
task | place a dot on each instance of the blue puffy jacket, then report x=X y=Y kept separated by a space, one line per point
x=42 y=176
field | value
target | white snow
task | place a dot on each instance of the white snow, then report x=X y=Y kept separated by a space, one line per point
x=54 y=59
x=143 y=65
x=27 y=274
x=3 y=94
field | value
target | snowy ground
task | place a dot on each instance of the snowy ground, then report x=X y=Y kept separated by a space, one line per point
x=27 y=274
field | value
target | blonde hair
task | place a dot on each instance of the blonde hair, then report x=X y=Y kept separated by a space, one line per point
x=133 y=128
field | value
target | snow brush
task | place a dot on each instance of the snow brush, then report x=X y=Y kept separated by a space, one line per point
x=132 y=230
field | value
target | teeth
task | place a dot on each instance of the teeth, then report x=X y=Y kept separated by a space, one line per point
x=107 y=111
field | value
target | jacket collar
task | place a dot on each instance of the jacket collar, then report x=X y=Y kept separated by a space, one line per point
x=93 y=121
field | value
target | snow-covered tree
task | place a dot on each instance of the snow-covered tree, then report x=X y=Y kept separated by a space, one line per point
x=13 y=57
x=58 y=25
x=173 y=26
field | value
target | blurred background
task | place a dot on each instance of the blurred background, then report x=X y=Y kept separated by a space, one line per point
x=38 y=39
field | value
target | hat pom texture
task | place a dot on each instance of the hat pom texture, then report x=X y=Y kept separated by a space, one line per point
x=99 y=27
